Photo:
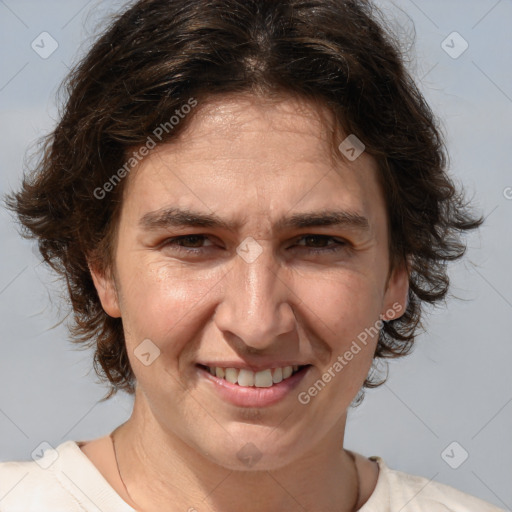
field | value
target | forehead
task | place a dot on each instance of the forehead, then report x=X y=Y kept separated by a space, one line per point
x=248 y=113
x=246 y=126
x=249 y=155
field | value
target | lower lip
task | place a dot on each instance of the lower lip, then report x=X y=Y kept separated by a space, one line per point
x=252 y=396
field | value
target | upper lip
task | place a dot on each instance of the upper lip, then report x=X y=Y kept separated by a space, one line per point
x=256 y=367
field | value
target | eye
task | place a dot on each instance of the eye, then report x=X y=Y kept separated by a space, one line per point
x=319 y=243
x=194 y=244
x=187 y=243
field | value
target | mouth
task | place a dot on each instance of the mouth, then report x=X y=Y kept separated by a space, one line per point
x=246 y=388
x=248 y=378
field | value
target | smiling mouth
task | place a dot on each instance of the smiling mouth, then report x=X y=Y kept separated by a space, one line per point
x=247 y=378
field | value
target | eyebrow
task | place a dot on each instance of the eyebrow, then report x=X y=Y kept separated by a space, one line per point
x=183 y=217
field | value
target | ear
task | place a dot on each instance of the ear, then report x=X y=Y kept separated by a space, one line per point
x=396 y=295
x=107 y=291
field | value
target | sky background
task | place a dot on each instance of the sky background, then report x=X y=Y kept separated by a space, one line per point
x=456 y=387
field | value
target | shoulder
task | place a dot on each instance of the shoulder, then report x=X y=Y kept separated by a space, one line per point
x=59 y=479
x=30 y=484
x=397 y=490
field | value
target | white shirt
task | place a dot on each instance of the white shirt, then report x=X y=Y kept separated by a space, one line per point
x=65 y=480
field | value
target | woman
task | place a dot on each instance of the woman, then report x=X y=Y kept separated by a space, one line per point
x=249 y=204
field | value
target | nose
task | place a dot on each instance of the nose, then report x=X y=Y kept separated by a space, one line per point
x=257 y=302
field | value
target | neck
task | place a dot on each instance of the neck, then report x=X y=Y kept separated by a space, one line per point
x=158 y=469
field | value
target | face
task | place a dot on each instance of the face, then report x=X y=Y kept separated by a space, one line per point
x=246 y=245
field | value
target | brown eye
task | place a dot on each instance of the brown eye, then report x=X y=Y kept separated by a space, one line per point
x=319 y=243
x=191 y=240
x=191 y=243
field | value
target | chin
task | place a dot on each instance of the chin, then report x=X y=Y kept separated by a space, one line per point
x=253 y=448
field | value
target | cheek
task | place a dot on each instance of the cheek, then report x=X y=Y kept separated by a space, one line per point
x=340 y=304
x=164 y=304
x=344 y=312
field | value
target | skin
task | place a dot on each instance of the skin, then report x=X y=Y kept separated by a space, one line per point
x=249 y=161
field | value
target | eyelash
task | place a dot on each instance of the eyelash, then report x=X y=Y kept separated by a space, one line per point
x=339 y=244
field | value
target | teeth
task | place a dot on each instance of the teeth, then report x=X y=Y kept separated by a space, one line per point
x=278 y=376
x=263 y=379
x=248 y=378
x=287 y=371
x=231 y=375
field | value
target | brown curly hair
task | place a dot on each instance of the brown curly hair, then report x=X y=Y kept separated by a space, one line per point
x=155 y=56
